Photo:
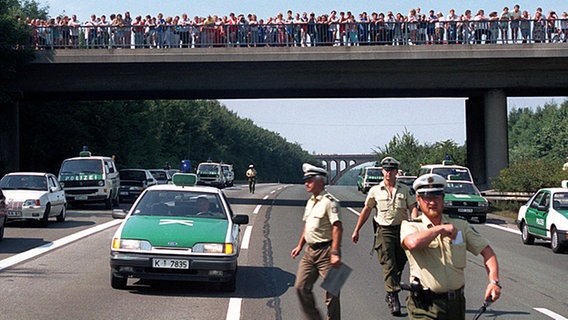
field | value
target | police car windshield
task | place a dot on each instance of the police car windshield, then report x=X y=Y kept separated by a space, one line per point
x=81 y=166
x=23 y=182
x=374 y=172
x=208 y=168
x=456 y=174
x=175 y=203
x=461 y=188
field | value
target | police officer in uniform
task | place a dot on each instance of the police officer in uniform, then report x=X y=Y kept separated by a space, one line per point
x=322 y=233
x=436 y=246
x=394 y=202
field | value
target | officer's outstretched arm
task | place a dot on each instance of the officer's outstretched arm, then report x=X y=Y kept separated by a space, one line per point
x=363 y=216
x=493 y=291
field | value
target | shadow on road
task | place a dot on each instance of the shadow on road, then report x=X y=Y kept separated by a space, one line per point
x=251 y=284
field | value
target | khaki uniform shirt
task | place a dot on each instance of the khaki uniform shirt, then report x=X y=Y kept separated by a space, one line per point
x=320 y=214
x=440 y=266
x=391 y=209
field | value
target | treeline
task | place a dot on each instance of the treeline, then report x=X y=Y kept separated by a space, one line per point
x=147 y=134
x=538 y=148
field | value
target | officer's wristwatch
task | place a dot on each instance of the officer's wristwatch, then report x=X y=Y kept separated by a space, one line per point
x=496 y=282
x=335 y=253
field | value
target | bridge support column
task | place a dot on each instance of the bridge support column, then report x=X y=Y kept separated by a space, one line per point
x=9 y=137
x=475 y=139
x=496 y=134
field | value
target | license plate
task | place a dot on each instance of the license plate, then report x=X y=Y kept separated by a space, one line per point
x=465 y=210
x=170 y=263
x=81 y=198
x=123 y=193
x=14 y=213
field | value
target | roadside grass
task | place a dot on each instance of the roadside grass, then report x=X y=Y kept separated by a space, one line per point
x=508 y=209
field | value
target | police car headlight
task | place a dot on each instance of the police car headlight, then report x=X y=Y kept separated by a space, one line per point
x=131 y=244
x=136 y=188
x=31 y=202
x=101 y=183
x=483 y=204
x=213 y=248
x=448 y=203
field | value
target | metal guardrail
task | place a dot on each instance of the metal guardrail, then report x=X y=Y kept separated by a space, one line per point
x=88 y=36
x=507 y=196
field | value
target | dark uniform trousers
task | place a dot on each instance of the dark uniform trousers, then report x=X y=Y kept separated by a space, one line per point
x=391 y=256
x=445 y=306
x=315 y=262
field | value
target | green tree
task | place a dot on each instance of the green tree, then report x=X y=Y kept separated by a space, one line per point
x=146 y=134
x=411 y=154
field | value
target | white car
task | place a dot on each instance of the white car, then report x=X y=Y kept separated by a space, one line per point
x=33 y=196
x=545 y=216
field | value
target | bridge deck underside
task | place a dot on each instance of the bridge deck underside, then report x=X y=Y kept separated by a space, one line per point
x=451 y=71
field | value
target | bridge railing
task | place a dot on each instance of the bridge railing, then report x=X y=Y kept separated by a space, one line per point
x=46 y=36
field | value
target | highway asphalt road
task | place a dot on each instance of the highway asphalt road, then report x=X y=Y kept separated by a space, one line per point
x=62 y=271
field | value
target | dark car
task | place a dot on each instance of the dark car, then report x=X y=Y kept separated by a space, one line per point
x=161 y=175
x=133 y=182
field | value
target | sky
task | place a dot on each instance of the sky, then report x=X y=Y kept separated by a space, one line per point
x=331 y=125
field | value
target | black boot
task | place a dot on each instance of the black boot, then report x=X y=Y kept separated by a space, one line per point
x=393 y=302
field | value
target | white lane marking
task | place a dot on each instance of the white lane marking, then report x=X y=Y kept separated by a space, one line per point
x=234 y=310
x=8 y=262
x=246 y=238
x=551 y=314
x=354 y=211
x=496 y=226
x=271 y=192
x=265 y=197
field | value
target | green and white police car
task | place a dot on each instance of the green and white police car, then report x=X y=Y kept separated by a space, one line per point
x=545 y=216
x=368 y=178
x=464 y=199
x=178 y=232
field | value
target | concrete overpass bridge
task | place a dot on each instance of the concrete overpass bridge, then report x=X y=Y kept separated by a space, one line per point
x=483 y=74
x=343 y=163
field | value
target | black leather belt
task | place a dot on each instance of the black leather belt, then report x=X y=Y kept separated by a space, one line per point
x=450 y=295
x=319 y=245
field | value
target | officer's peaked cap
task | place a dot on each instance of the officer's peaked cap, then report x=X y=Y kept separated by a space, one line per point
x=311 y=171
x=429 y=185
x=389 y=163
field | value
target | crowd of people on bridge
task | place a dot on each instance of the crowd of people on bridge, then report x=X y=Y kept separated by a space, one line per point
x=301 y=29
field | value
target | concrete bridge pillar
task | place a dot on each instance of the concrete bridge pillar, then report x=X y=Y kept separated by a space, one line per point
x=487 y=140
x=9 y=137
x=496 y=133
x=475 y=135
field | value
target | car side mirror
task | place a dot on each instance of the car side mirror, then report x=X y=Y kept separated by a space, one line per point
x=53 y=189
x=241 y=219
x=119 y=213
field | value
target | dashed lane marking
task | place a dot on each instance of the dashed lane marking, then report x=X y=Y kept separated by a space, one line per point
x=551 y=314
x=246 y=238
